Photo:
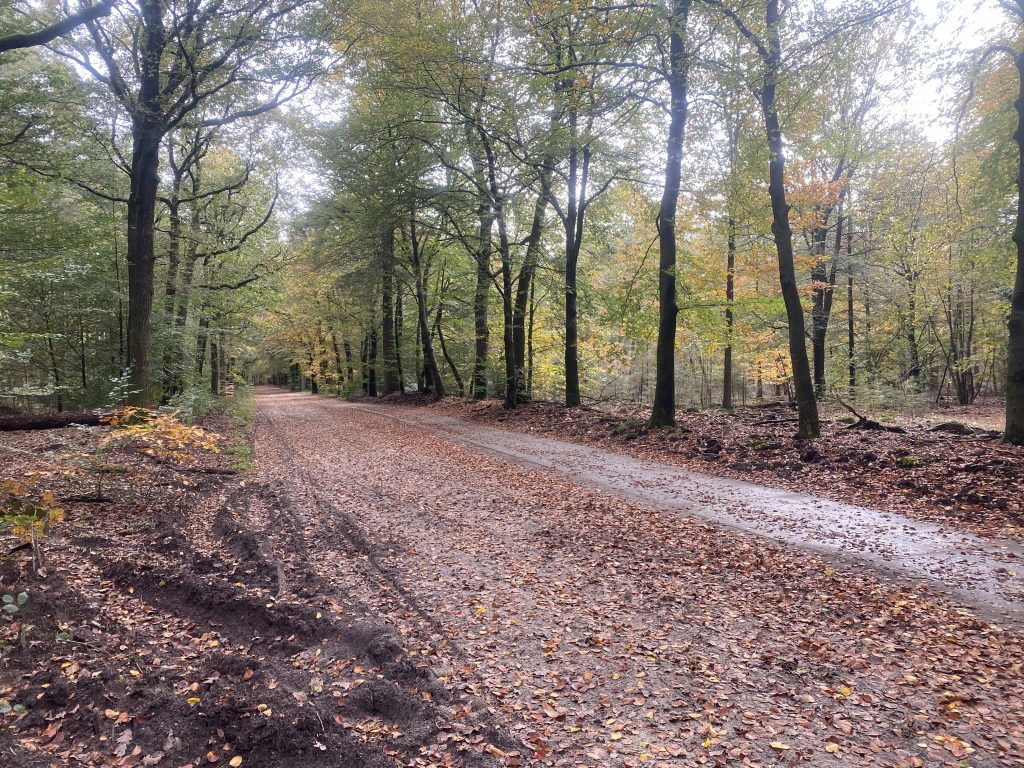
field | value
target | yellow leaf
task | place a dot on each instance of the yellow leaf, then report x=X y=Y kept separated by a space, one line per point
x=779 y=745
x=193 y=700
x=832 y=747
x=615 y=736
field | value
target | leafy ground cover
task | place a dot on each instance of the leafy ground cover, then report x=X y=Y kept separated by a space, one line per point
x=409 y=601
x=169 y=626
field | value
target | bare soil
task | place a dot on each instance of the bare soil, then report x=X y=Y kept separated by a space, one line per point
x=198 y=630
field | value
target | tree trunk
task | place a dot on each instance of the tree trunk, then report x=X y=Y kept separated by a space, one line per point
x=432 y=372
x=364 y=364
x=201 y=338
x=371 y=359
x=171 y=287
x=350 y=378
x=214 y=366
x=223 y=356
x=51 y=350
x=529 y=340
x=1015 y=349
x=807 y=407
x=730 y=294
x=821 y=311
x=483 y=282
x=523 y=288
x=850 y=335
x=398 y=337
x=338 y=369
x=663 y=411
x=141 y=216
x=389 y=373
x=444 y=350
x=147 y=133
x=914 y=371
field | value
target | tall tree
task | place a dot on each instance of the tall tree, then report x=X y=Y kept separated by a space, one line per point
x=663 y=411
x=166 y=61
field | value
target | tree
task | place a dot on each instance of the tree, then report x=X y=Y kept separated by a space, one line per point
x=1014 y=432
x=228 y=61
x=663 y=411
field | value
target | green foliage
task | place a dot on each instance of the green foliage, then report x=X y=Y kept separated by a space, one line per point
x=12 y=603
x=28 y=515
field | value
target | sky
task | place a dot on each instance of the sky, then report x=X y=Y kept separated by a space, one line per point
x=961 y=26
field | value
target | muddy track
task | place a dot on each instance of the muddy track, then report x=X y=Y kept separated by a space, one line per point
x=610 y=633
x=215 y=631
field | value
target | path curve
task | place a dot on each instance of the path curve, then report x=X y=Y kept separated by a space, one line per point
x=986 y=575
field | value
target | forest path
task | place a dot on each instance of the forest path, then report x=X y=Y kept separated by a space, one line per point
x=608 y=612
x=986 y=575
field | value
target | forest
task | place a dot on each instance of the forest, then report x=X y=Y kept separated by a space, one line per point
x=486 y=383
x=700 y=204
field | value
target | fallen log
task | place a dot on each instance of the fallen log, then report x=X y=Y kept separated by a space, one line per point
x=863 y=422
x=50 y=420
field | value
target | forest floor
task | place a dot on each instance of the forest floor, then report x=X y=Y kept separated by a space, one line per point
x=390 y=586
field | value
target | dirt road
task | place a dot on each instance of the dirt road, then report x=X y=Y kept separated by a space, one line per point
x=590 y=605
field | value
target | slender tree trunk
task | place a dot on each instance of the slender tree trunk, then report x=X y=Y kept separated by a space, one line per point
x=824 y=278
x=222 y=352
x=1015 y=349
x=338 y=369
x=82 y=356
x=214 y=366
x=730 y=293
x=851 y=339
x=803 y=386
x=389 y=375
x=444 y=351
x=201 y=339
x=914 y=371
x=350 y=377
x=483 y=282
x=497 y=206
x=398 y=337
x=818 y=279
x=121 y=361
x=529 y=340
x=171 y=287
x=431 y=370
x=364 y=364
x=524 y=286
x=663 y=411
x=51 y=350
x=314 y=380
x=371 y=359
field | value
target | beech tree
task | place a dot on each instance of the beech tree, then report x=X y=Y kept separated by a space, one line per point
x=165 y=62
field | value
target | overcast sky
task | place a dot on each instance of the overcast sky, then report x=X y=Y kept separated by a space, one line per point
x=963 y=26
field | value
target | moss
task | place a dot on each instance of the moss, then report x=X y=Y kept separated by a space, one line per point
x=909 y=462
